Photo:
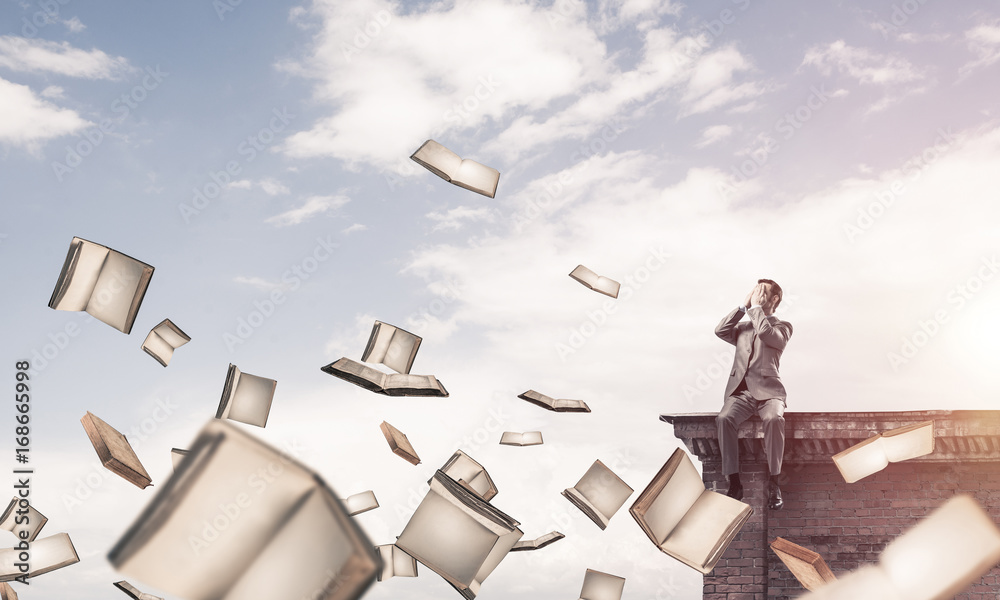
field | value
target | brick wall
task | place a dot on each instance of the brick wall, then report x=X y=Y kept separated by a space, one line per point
x=848 y=524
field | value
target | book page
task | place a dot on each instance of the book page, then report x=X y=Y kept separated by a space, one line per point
x=171 y=334
x=476 y=177
x=909 y=442
x=944 y=553
x=34 y=523
x=79 y=275
x=464 y=467
x=117 y=287
x=679 y=492
x=251 y=400
x=861 y=460
x=158 y=348
x=392 y=347
x=437 y=159
x=47 y=554
x=584 y=276
x=607 y=286
x=696 y=537
x=400 y=384
x=359 y=503
x=357 y=373
x=603 y=489
x=601 y=586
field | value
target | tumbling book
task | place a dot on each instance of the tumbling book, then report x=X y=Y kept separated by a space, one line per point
x=7 y=592
x=686 y=521
x=452 y=168
x=103 y=282
x=875 y=453
x=162 y=340
x=388 y=384
x=17 y=519
x=560 y=405
x=399 y=444
x=115 y=452
x=807 y=566
x=133 y=592
x=601 y=586
x=238 y=519
x=458 y=535
x=246 y=398
x=947 y=551
x=528 y=438
x=47 y=554
x=359 y=503
x=599 y=494
x=604 y=285
x=176 y=456
x=538 y=543
x=392 y=347
x=470 y=474
x=395 y=562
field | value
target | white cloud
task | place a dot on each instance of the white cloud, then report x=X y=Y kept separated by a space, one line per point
x=273 y=187
x=713 y=134
x=984 y=42
x=29 y=55
x=74 y=24
x=456 y=218
x=53 y=91
x=240 y=184
x=257 y=282
x=314 y=206
x=866 y=66
x=356 y=227
x=29 y=120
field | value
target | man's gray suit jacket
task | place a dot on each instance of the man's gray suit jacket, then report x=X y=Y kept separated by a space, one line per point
x=759 y=344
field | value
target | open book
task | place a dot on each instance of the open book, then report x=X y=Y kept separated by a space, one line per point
x=163 y=339
x=950 y=549
x=604 y=285
x=399 y=444
x=134 y=592
x=395 y=562
x=458 y=535
x=24 y=523
x=107 y=284
x=391 y=346
x=683 y=519
x=599 y=494
x=807 y=566
x=7 y=592
x=238 y=519
x=528 y=438
x=114 y=451
x=176 y=456
x=389 y=384
x=359 y=503
x=246 y=398
x=560 y=405
x=601 y=586
x=47 y=554
x=538 y=543
x=875 y=453
x=470 y=474
x=451 y=167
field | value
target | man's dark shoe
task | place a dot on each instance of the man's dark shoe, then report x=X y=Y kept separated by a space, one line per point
x=735 y=490
x=774 y=499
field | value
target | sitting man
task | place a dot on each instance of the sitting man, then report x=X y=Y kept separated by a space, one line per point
x=754 y=385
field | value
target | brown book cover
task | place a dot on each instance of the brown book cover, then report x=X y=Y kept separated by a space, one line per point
x=807 y=566
x=399 y=444
x=114 y=451
x=561 y=405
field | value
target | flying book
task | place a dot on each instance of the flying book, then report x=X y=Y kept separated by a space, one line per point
x=528 y=438
x=537 y=543
x=452 y=168
x=399 y=444
x=807 y=566
x=875 y=453
x=163 y=339
x=133 y=592
x=604 y=285
x=176 y=456
x=246 y=398
x=107 y=284
x=470 y=474
x=392 y=347
x=458 y=535
x=388 y=384
x=599 y=494
x=23 y=521
x=553 y=404
x=47 y=554
x=395 y=562
x=238 y=519
x=7 y=592
x=114 y=451
x=686 y=521
x=601 y=586
x=950 y=549
x=359 y=503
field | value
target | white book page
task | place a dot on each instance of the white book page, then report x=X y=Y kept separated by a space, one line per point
x=115 y=289
x=584 y=275
x=601 y=586
x=158 y=347
x=359 y=503
x=861 y=460
x=441 y=161
x=251 y=401
x=80 y=286
x=678 y=495
x=697 y=534
x=47 y=554
x=911 y=444
x=397 y=353
x=477 y=176
x=603 y=489
x=170 y=336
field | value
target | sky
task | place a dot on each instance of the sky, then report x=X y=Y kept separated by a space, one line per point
x=253 y=151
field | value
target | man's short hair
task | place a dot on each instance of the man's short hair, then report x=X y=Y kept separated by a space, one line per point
x=775 y=289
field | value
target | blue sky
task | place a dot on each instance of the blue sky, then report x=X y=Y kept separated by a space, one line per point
x=847 y=150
